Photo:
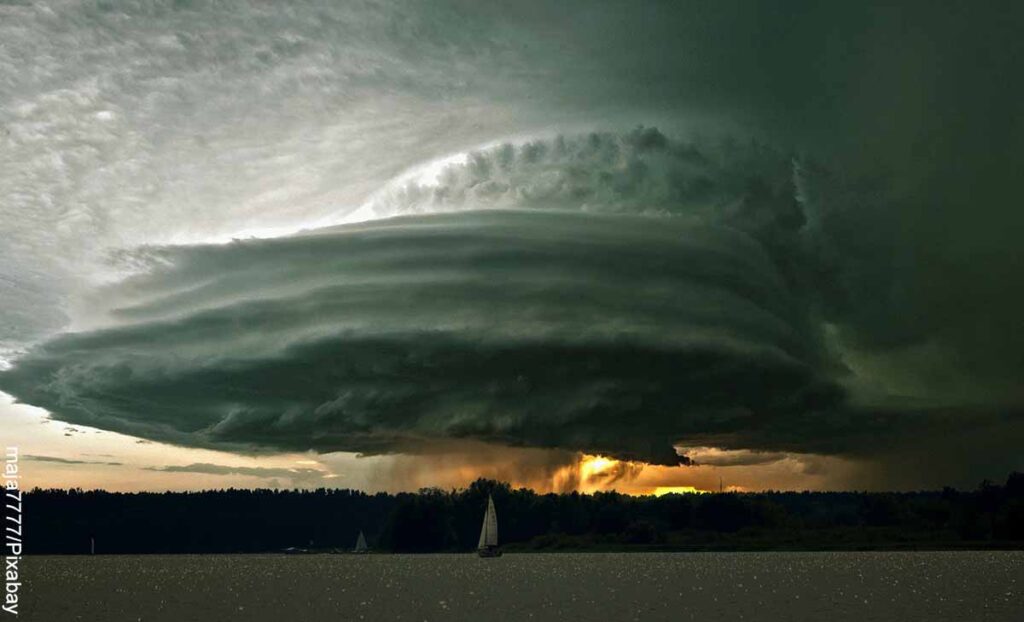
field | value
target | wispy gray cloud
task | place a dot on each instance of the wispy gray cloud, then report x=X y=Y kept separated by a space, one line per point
x=714 y=457
x=301 y=474
x=58 y=460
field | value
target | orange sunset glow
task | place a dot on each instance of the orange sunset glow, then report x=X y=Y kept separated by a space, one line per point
x=677 y=490
x=558 y=471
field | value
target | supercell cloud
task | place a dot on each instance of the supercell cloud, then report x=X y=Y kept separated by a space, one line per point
x=729 y=225
x=604 y=333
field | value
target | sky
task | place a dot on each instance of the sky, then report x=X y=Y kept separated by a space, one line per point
x=574 y=245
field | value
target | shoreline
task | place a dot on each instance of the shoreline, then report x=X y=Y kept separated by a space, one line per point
x=518 y=550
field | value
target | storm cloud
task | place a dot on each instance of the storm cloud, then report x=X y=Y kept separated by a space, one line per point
x=608 y=334
x=614 y=294
x=738 y=225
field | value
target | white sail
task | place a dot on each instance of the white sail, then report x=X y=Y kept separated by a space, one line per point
x=361 y=544
x=489 y=530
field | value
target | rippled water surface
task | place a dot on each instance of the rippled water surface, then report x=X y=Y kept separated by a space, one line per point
x=633 y=586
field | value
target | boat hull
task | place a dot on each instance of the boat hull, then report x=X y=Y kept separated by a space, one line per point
x=489 y=552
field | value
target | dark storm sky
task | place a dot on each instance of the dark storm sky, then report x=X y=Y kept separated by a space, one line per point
x=775 y=226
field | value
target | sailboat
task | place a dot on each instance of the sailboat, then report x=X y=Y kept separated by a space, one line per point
x=361 y=544
x=488 y=546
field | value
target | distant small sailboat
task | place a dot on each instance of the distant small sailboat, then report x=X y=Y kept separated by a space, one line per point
x=361 y=544
x=488 y=546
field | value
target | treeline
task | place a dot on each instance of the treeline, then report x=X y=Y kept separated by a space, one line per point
x=251 y=521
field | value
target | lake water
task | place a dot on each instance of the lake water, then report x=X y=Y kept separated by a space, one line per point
x=587 y=586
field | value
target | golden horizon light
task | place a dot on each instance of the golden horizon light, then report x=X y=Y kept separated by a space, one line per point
x=678 y=490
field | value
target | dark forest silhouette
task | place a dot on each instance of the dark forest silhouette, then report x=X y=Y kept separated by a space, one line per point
x=432 y=520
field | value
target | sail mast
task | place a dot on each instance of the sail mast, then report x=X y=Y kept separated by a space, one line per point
x=483 y=535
